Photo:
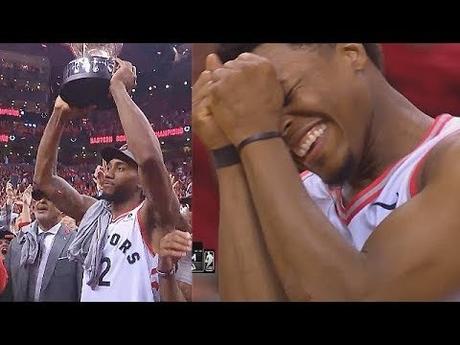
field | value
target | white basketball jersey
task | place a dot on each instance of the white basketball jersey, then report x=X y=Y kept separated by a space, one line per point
x=393 y=188
x=129 y=267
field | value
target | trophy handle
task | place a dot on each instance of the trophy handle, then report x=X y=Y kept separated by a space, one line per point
x=133 y=68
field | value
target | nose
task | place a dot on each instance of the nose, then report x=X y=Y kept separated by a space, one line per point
x=108 y=173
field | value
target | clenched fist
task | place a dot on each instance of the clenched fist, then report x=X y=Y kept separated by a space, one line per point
x=69 y=113
x=125 y=75
x=173 y=246
x=246 y=97
x=203 y=121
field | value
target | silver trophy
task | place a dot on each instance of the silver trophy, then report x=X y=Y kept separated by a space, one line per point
x=86 y=79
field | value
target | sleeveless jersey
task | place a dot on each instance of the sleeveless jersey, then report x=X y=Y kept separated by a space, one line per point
x=129 y=266
x=393 y=188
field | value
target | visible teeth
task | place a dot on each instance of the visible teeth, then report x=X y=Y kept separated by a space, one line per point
x=309 y=139
x=305 y=146
x=300 y=152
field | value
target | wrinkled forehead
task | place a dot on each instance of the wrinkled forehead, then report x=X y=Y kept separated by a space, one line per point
x=292 y=61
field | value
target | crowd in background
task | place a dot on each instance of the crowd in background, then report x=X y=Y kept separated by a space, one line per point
x=81 y=177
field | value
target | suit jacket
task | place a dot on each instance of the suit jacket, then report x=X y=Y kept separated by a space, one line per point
x=61 y=279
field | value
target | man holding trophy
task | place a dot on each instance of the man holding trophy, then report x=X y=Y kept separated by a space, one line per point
x=128 y=242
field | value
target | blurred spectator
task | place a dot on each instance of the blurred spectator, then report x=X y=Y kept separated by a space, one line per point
x=35 y=271
x=3 y=277
x=81 y=177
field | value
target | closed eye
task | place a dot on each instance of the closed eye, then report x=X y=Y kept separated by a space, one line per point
x=289 y=94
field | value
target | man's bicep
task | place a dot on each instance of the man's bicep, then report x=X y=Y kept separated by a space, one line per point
x=413 y=253
x=161 y=204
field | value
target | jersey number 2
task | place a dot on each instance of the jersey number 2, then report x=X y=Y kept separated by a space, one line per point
x=102 y=282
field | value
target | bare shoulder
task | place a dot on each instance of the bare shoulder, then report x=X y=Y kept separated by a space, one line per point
x=443 y=164
x=434 y=207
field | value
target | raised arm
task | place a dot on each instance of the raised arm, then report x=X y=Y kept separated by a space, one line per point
x=25 y=216
x=161 y=208
x=242 y=251
x=59 y=191
x=412 y=254
x=9 y=205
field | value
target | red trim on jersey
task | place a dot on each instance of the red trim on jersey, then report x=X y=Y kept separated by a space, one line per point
x=305 y=174
x=434 y=130
x=363 y=192
x=144 y=233
x=413 y=185
x=436 y=127
x=366 y=202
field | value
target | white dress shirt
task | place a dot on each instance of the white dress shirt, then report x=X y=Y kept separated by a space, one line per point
x=49 y=240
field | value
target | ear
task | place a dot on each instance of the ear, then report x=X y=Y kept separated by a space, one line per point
x=354 y=53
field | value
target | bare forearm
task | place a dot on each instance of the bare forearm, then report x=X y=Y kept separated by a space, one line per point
x=140 y=137
x=245 y=268
x=61 y=193
x=185 y=289
x=47 y=154
x=312 y=260
x=169 y=290
x=146 y=149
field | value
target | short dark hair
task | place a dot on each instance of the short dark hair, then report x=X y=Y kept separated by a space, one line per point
x=230 y=51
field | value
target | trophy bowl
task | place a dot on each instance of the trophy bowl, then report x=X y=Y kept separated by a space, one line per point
x=86 y=79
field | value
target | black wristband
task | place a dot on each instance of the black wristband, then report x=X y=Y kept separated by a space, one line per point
x=258 y=137
x=225 y=156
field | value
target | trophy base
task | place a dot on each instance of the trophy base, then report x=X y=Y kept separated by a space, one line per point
x=85 y=91
x=86 y=82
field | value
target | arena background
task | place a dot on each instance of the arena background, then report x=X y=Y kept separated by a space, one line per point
x=30 y=78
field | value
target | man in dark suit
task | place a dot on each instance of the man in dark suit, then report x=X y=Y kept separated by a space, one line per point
x=37 y=263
